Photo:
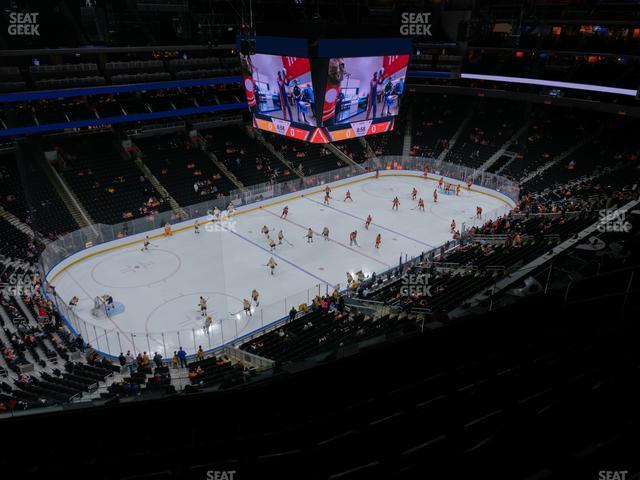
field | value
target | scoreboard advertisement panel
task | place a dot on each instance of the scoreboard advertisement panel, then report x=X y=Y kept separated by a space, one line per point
x=322 y=100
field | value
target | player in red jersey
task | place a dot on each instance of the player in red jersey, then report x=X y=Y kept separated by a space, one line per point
x=421 y=204
x=367 y=224
x=414 y=193
x=353 y=238
x=378 y=240
x=458 y=190
x=326 y=198
x=440 y=182
x=478 y=212
x=396 y=204
x=347 y=196
x=426 y=171
x=435 y=196
x=285 y=212
x=469 y=183
x=453 y=226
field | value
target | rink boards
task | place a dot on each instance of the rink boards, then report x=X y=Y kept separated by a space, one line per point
x=78 y=272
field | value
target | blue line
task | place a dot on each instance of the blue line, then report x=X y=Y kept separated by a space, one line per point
x=278 y=256
x=372 y=223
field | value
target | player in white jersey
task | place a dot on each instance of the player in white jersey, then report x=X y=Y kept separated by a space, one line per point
x=208 y=321
x=280 y=237
x=231 y=209
x=272 y=264
x=265 y=230
x=246 y=305
x=272 y=244
x=203 y=305
x=325 y=233
x=255 y=296
x=145 y=244
x=196 y=227
x=309 y=235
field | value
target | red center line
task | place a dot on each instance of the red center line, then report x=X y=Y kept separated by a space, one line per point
x=330 y=239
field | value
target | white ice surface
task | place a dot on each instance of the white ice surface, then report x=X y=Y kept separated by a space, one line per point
x=160 y=288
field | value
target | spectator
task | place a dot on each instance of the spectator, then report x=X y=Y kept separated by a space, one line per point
x=157 y=359
x=122 y=359
x=174 y=360
x=130 y=361
x=182 y=356
x=80 y=342
x=292 y=314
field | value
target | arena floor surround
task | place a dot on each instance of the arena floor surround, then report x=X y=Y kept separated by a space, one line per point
x=157 y=291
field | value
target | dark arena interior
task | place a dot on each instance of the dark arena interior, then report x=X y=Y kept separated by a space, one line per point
x=319 y=239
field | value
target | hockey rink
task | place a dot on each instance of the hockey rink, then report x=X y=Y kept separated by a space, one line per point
x=157 y=291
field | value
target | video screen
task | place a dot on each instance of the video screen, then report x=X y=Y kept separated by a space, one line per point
x=363 y=88
x=279 y=87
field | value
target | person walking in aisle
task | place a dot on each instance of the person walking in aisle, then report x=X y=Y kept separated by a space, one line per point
x=182 y=356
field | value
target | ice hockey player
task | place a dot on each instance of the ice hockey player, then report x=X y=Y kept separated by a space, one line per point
x=216 y=213
x=145 y=244
x=453 y=226
x=272 y=243
x=231 y=209
x=167 y=230
x=325 y=233
x=353 y=238
x=348 y=196
x=246 y=305
x=309 y=235
x=326 y=198
x=327 y=190
x=349 y=279
x=435 y=196
x=208 y=321
x=478 y=212
x=457 y=190
x=425 y=172
x=272 y=264
x=265 y=230
x=280 y=237
x=367 y=224
x=255 y=296
x=285 y=212
x=196 y=227
x=73 y=302
x=396 y=203
x=378 y=240
x=469 y=183
x=203 y=305
x=414 y=193
x=421 y=204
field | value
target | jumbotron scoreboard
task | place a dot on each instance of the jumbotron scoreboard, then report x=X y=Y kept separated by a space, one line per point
x=324 y=90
